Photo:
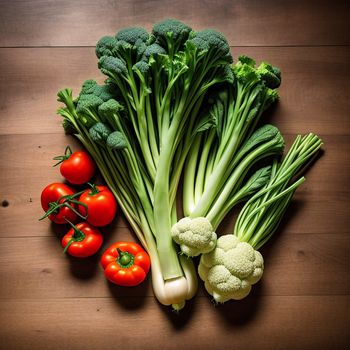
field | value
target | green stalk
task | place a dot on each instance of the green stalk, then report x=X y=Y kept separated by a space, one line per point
x=168 y=257
x=262 y=214
x=231 y=187
x=190 y=175
x=205 y=155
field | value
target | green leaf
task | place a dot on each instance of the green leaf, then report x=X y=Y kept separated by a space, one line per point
x=264 y=134
x=258 y=180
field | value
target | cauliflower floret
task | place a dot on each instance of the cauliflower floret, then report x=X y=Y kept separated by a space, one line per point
x=195 y=236
x=230 y=269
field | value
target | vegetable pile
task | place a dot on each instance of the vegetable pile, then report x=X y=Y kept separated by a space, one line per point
x=174 y=104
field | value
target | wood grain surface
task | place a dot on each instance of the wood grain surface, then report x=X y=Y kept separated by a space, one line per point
x=51 y=301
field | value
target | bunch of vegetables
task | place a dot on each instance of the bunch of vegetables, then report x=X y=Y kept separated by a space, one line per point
x=174 y=103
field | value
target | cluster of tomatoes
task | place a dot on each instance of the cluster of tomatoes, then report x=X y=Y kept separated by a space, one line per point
x=124 y=263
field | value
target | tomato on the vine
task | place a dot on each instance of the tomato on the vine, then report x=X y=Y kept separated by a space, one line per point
x=76 y=167
x=125 y=263
x=101 y=204
x=82 y=240
x=53 y=201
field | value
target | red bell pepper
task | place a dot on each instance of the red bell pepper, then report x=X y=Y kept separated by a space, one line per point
x=125 y=263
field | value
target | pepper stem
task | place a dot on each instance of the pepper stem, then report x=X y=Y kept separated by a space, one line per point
x=125 y=259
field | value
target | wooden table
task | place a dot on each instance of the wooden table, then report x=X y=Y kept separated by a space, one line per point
x=49 y=301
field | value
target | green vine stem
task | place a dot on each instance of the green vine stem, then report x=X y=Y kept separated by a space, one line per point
x=78 y=236
x=65 y=201
x=67 y=153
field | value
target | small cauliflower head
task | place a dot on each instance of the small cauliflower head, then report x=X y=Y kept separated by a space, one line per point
x=194 y=236
x=230 y=269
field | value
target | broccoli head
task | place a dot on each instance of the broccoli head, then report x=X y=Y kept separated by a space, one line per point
x=106 y=46
x=88 y=87
x=171 y=33
x=116 y=140
x=88 y=103
x=133 y=35
x=270 y=75
x=104 y=92
x=212 y=41
x=267 y=74
x=141 y=66
x=112 y=66
x=99 y=132
x=110 y=107
x=153 y=50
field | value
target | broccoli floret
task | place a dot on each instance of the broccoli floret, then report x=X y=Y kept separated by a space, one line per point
x=112 y=65
x=247 y=60
x=109 y=108
x=270 y=75
x=153 y=50
x=142 y=66
x=99 y=132
x=106 y=46
x=195 y=236
x=212 y=40
x=88 y=87
x=127 y=42
x=133 y=36
x=171 y=34
x=88 y=103
x=245 y=72
x=116 y=140
x=104 y=92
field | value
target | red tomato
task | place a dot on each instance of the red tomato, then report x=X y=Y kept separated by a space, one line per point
x=125 y=263
x=50 y=195
x=82 y=240
x=77 y=167
x=101 y=204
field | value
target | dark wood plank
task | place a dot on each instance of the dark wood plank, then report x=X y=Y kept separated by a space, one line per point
x=314 y=91
x=318 y=322
x=35 y=268
x=82 y=23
